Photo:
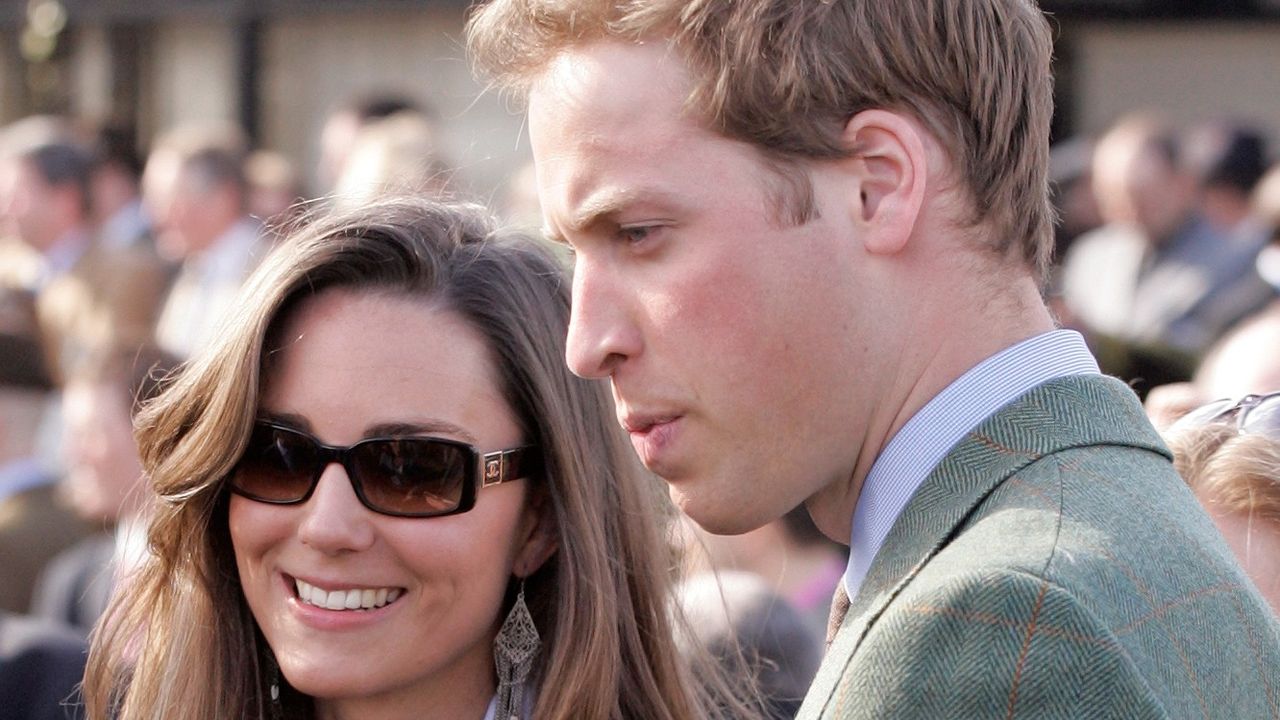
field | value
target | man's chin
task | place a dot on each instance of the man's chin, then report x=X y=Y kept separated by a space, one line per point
x=718 y=516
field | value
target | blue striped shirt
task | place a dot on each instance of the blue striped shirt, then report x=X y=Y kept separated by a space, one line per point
x=21 y=475
x=930 y=434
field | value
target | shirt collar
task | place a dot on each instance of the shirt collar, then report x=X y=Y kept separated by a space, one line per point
x=21 y=475
x=64 y=253
x=125 y=226
x=229 y=254
x=929 y=435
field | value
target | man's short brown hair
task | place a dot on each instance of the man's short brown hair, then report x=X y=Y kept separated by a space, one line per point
x=214 y=154
x=786 y=76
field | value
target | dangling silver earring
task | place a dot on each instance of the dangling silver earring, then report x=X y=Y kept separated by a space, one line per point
x=273 y=689
x=514 y=649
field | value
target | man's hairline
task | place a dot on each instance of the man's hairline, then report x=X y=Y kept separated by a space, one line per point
x=783 y=169
x=791 y=192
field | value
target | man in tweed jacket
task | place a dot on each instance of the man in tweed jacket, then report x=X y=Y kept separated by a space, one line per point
x=808 y=237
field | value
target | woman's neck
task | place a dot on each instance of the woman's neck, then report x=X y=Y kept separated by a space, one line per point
x=458 y=699
x=372 y=709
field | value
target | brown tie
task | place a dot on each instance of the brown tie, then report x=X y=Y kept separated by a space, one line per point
x=839 y=608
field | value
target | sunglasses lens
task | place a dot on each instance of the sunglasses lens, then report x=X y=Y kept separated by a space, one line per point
x=1263 y=418
x=277 y=466
x=1203 y=415
x=413 y=476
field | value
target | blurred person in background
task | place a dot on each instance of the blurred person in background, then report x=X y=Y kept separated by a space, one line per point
x=1229 y=453
x=41 y=664
x=343 y=126
x=44 y=201
x=793 y=557
x=103 y=483
x=1266 y=204
x=34 y=524
x=114 y=294
x=115 y=189
x=1143 y=364
x=1227 y=161
x=396 y=154
x=194 y=186
x=754 y=633
x=1071 y=191
x=275 y=190
x=85 y=287
x=1247 y=358
x=113 y=299
x=1155 y=271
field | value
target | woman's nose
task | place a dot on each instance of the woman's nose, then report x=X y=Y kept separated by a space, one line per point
x=334 y=520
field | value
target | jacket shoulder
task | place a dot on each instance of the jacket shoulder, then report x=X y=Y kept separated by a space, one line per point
x=990 y=644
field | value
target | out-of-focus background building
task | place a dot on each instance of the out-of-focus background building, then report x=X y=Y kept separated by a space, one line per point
x=278 y=66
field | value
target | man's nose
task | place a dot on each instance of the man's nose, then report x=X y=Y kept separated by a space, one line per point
x=603 y=333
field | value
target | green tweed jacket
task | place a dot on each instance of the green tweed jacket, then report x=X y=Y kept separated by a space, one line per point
x=1054 y=565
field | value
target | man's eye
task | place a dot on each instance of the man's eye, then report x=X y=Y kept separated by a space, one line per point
x=637 y=234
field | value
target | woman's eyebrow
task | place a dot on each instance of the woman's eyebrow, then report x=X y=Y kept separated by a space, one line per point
x=428 y=426
x=292 y=420
x=400 y=428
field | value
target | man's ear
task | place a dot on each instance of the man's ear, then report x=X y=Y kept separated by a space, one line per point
x=539 y=536
x=889 y=163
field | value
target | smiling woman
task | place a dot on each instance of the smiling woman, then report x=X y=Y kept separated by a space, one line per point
x=384 y=496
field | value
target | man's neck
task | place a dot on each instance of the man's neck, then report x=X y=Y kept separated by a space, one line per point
x=19 y=473
x=1225 y=210
x=214 y=241
x=944 y=342
x=66 y=249
x=967 y=342
x=108 y=202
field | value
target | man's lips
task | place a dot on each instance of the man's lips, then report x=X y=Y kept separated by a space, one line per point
x=652 y=436
x=643 y=424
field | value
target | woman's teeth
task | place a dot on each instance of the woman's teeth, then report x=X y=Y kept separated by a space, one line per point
x=354 y=599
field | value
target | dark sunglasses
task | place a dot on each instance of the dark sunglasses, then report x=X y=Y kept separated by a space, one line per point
x=1253 y=414
x=400 y=476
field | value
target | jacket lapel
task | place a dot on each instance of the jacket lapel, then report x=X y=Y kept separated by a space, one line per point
x=1069 y=412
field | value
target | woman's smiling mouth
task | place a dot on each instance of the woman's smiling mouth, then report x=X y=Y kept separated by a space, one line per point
x=349 y=599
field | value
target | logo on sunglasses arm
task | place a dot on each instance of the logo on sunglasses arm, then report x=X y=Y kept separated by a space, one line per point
x=492 y=470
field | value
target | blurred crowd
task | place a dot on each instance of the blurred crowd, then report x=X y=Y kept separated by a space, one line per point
x=1166 y=253
x=116 y=266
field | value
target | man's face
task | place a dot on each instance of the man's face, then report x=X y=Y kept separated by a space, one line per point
x=1138 y=187
x=336 y=139
x=732 y=339
x=1159 y=193
x=160 y=195
x=30 y=207
x=187 y=215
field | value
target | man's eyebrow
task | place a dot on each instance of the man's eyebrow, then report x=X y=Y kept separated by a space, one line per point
x=598 y=207
x=591 y=212
x=609 y=203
